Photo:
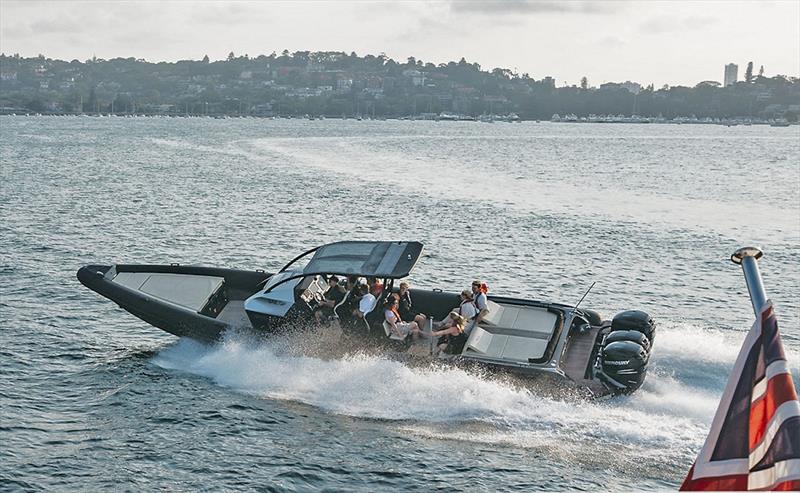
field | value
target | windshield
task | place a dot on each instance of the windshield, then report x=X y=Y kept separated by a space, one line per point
x=280 y=277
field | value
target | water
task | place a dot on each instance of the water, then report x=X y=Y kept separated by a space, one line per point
x=91 y=398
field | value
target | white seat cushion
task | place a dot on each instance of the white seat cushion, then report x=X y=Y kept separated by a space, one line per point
x=186 y=290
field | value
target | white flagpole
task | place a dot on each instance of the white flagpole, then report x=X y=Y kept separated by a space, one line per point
x=748 y=257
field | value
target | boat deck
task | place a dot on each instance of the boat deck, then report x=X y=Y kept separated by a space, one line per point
x=576 y=359
x=235 y=315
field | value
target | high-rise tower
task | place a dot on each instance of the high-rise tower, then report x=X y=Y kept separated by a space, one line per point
x=731 y=74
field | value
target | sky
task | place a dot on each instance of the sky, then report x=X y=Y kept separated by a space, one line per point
x=660 y=42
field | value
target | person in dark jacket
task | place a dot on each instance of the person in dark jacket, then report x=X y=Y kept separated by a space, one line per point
x=406 y=307
x=330 y=298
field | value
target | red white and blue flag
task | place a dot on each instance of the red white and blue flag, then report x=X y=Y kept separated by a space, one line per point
x=754 y=442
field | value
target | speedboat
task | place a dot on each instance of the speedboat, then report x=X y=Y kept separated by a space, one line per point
x=528 y=337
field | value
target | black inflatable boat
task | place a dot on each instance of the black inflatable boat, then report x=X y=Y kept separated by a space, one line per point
x=527 y=337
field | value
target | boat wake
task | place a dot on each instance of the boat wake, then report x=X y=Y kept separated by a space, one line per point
x=670 y=414
x=514 y=190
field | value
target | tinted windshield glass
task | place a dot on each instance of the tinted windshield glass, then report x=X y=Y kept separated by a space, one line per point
x=380 y=259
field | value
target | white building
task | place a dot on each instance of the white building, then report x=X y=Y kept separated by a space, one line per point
x=344 y=84
x=731 y=74
x=417 y=77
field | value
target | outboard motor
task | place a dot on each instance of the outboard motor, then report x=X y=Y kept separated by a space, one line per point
x=635 y=320
x=626 y=350
x=624 y=365
x=629 y=335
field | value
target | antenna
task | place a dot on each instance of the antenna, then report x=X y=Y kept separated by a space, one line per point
x=585 y=294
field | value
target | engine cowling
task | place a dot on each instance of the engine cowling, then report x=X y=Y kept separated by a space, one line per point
x=635 y=320
x=629 y=335
x=623 y=365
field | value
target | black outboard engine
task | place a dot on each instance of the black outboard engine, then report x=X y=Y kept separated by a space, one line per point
x=622 y=362
x=635 y=320
x=629 y=335
x=624 y=365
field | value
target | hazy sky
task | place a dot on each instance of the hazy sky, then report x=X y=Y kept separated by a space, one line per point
x=663 y=42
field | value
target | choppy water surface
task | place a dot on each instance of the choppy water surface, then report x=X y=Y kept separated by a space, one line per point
x=92 y=398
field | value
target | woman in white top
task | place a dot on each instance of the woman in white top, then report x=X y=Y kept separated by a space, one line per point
x=398 y=326
x=466 y=309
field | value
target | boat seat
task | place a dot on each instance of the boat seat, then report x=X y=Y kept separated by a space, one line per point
x=519 y=333
x=494 y=315
x=520 y=317
x=387 y=327
x=186 y=290
x=344 y=299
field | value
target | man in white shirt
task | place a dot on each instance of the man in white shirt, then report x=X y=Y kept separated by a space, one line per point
x=368 y=301
x=481 y=304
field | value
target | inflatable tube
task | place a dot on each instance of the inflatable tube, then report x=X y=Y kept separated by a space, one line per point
x=593 y=317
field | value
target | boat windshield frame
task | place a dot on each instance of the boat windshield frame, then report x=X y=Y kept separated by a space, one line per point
x=381 y=259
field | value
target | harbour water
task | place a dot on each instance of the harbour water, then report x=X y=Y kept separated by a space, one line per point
x=91 y=398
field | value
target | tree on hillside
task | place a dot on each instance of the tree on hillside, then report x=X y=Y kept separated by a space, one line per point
x=748 y=74
x=287 y=85
x=761 y=71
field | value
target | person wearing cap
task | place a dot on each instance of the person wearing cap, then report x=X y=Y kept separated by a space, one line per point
x=479 y=290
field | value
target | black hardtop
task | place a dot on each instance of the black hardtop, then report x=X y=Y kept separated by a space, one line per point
x=381 y=259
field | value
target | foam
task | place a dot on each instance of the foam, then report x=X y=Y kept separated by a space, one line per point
x=664 y=422
x=450 y=402
x=683 y=347
x=695 y=343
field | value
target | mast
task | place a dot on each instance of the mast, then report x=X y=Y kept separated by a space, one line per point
x=748 y=257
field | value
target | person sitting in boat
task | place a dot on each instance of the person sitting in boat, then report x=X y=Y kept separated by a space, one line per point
x=392 y=315
x=348 y=307
x=373 y=281
x=453 y=338
x=466 y=309
x=479 y=290
x=368 y=300
x=330 y=298
x=406 y=306
x=350 y=283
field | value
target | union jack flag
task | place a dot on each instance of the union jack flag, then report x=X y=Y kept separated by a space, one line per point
x=754 y=442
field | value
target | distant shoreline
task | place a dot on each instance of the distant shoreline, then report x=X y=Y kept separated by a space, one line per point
x=729 y=122
x=338 y=85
